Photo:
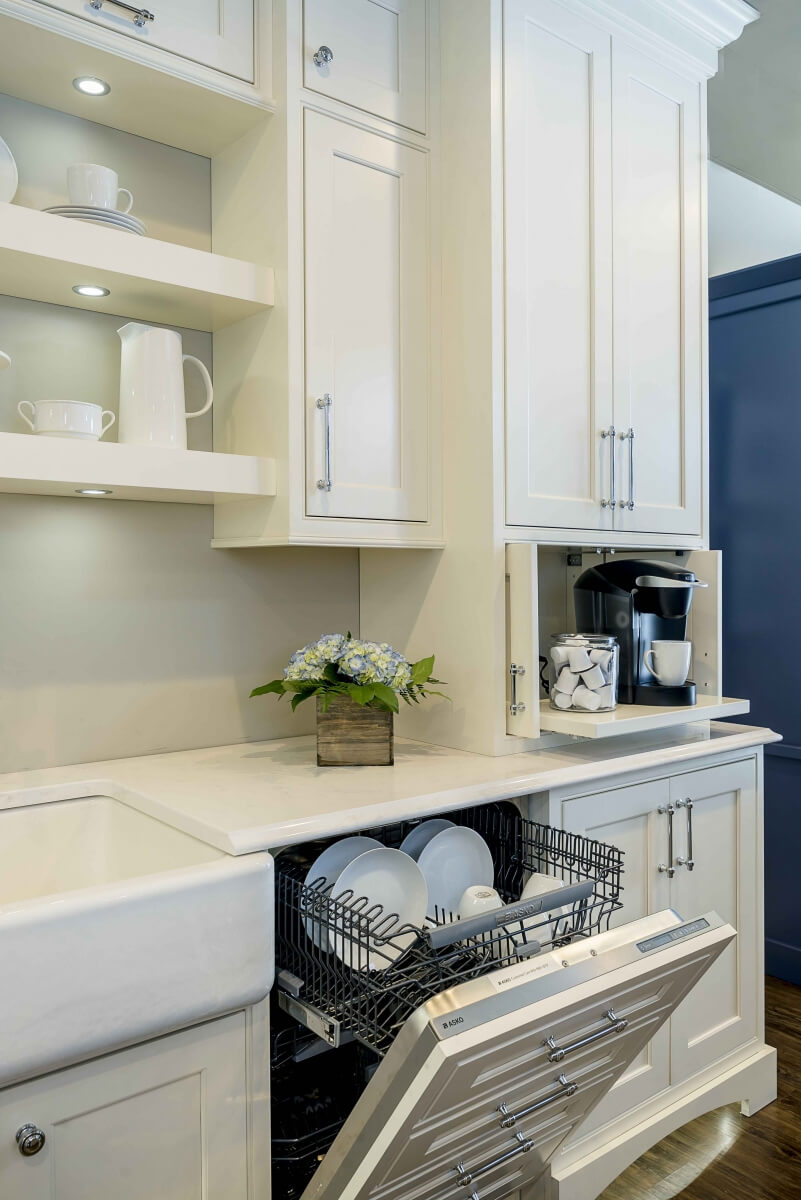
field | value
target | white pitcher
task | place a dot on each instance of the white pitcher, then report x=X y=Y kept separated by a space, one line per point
x=152 y=403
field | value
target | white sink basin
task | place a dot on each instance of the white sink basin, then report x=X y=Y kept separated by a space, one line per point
x=115 y=927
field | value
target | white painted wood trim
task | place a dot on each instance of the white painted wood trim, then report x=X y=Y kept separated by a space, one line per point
x=636 y=718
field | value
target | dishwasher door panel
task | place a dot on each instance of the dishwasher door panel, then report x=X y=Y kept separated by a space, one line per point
x=487 y=1079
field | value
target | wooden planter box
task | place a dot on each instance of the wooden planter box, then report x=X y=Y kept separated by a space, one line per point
x=349 y=735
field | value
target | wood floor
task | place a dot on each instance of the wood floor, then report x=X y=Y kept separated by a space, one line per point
x=723 y=1155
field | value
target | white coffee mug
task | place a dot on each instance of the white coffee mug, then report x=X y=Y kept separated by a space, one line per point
x=93 y=186
x=66 y=418
x=671 y=662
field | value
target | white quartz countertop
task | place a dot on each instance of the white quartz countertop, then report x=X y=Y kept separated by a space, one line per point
x=259 y=795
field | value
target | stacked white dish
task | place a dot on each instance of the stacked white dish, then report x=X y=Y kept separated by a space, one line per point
x=112 y=218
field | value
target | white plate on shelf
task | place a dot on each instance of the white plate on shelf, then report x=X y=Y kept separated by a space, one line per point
x=329 y=866
x=99 y=216
x=452 y=861
x=385 y=890
x=9 y=177
x=415 y=842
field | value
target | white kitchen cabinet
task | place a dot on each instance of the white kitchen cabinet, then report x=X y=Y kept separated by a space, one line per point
x=558 y=266
x=168 y=1118
x=369 y=54
x=367 y=336
x=725 y=850
x=658 y=364
x=215 y=33
x=603 y=280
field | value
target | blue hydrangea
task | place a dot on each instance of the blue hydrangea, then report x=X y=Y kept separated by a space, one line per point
x=363 y=662
x=310 y=661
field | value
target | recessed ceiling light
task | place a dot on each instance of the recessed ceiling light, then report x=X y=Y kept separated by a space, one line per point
x=91 y=289
x=90 y=85
x=93 y=491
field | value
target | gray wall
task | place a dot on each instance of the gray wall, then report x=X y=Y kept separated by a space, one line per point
x=122 y=632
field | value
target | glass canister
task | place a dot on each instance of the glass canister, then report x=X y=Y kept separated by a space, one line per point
x=583 y=670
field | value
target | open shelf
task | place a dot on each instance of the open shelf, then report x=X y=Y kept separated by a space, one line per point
x=154 y=93
x=43 y=256
x=47 y=466
x=637 y=718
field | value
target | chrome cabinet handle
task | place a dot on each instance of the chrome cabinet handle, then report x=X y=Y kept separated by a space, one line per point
x=324 y=404
x=565 y=1089
x=617 y=1025
x=629 y=437
x=668 y=868
x=516 y=706
x=687 y=861
x=322 y=56
x=140 y=15
x=466 y=1175
x=612 y=501
x=30 y=1139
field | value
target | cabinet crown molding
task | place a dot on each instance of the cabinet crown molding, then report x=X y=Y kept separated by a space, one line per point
x=696 y=29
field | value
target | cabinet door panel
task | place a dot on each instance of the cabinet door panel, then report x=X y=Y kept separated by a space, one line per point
x=215 y=33
x=657 y=199
x=167 y=1118
x=379 y=55
x=366 y=323
x=629 y=819
x=722 y=1013
x=558 y=266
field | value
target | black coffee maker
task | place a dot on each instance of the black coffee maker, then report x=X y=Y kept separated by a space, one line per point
x=638 y=602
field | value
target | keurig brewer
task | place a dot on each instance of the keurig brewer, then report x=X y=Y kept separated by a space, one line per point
x=638 y=602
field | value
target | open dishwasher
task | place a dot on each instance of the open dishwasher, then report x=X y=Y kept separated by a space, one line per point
x=449 y=1062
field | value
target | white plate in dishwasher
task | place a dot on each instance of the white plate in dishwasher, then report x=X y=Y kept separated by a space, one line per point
x=487 y=1079
x=328 y=866
x=381 y=891
x=453 y=861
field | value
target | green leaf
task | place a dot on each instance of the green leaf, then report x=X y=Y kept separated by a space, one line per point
x=421 y=671
x=302 y=685
x=276 y=685
x=301 y=696
x=330 y=673
x=386 y=696
x=361 y=693
x=326 y=699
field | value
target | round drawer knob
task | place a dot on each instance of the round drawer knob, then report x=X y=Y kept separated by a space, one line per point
x=30 y=1139
x=323 y=56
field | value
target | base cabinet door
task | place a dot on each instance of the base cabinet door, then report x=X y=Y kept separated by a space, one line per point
x=717 y=829
x=558 y=268
x=367 y=327
x=658 y=355
x=215 y=33
x=167 y=1119
x=368 y=54
x=629 y=818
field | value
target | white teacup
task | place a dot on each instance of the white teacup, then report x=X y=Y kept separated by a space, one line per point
x=671 y=662
x=66 y=418
x=93 y=186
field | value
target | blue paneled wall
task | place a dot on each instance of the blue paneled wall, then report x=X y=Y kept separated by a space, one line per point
x=755 y=501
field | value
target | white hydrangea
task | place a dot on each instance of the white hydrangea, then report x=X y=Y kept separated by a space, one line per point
x=310 y=661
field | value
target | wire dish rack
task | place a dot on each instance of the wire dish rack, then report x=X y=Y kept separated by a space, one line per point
x=350 y=969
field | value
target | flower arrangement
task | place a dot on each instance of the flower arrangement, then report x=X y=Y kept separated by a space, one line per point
x=370 y=673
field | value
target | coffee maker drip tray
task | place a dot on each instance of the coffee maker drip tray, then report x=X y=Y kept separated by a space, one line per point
x=661 y=694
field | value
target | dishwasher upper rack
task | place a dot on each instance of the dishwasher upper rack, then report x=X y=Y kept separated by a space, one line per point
x=336 y=997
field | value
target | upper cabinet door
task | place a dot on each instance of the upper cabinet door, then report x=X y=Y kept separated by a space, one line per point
x=215 y=33
x=558 y=267
x=369 y=53
x=658 y=214
x=367 y=324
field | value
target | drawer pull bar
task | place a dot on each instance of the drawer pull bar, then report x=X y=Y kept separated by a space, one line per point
x=565 y=1089
x=557 y=1053
x=324 y=404
x=466 y=1176
x=688 y=861
x=668 y=868
x=611 y=503
x=140 y=15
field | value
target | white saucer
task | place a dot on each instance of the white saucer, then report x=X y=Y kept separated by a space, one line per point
x=451 y=862
x=385 y=878
x=329 y=866
x=9 y=178
x=99 y=216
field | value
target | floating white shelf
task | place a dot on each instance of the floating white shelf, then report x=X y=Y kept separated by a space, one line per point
x=154 y=94
x=46 y=466
x=43 y=256
x=637 y=718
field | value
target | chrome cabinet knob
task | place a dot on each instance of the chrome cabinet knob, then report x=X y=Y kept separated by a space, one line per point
x=323 y=56
x=30 y=1139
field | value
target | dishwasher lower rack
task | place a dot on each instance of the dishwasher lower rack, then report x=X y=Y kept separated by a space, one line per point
x=338 y=995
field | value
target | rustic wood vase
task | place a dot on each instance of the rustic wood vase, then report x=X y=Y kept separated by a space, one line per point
x=352 y=735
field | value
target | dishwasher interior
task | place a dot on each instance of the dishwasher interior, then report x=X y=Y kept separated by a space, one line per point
x=442 y=1047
